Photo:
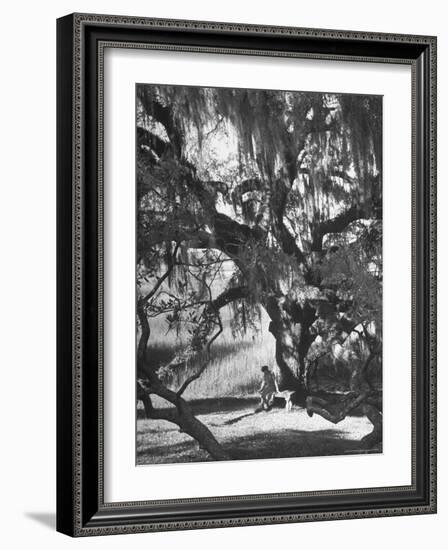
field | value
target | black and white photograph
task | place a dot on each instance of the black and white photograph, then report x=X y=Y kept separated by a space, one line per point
x=222 y=284
x=258 y=274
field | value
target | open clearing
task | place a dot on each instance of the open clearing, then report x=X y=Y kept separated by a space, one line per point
x=248 y=435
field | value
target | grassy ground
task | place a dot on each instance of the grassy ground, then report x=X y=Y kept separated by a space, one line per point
x=245 y=435
x=234 y=363
x=225 y=397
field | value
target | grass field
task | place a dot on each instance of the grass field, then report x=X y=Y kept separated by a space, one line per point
x=234 y=365
x=224 y=398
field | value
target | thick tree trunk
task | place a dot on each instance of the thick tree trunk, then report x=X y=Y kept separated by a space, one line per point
x=372 y=407
x=181 y=414
x=143 y=396
x=375 y=416
x=198 y=431
x=361 y=399
x=289 y=325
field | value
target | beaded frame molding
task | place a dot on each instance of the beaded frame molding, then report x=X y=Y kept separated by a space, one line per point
x=81 y=40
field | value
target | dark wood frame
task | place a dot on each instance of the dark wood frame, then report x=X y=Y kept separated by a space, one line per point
x=81 y=39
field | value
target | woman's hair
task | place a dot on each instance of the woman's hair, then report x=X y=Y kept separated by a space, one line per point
x=264 y=368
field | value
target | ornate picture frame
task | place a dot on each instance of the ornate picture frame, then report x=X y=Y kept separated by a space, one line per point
x=81 y=507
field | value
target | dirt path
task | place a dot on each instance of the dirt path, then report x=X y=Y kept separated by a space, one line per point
x=274 y=434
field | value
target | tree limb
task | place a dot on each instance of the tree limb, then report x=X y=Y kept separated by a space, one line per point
x=338 y=224
x=228 y=296
x=286 y=240
x=146 y=138
x=181 y=415
x=195 y=376
x=157 y=285
x=161 y=114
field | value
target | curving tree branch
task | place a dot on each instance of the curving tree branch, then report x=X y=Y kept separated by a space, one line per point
x=336 y=225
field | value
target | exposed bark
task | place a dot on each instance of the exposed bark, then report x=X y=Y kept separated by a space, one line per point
x=290 y=326
x=291 y=321
x=150 y=140
x=228 y=296
x=336 y=225
x=161 y=114
x=143 y=396
x=375 y=416
x=144 y=337
x=198 y=373
x=181 y=414
x=144 y=325
x=286 y=240
x=339 y=223
x=360 y=399
x=334 y=412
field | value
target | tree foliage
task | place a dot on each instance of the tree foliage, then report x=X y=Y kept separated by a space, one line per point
x=279 y=191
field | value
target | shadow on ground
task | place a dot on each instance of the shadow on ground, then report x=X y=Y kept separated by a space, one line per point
x=222 y=404
x=48 y=519
x=248 y=435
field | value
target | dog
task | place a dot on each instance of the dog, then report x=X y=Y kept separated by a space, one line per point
x=286 y=395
